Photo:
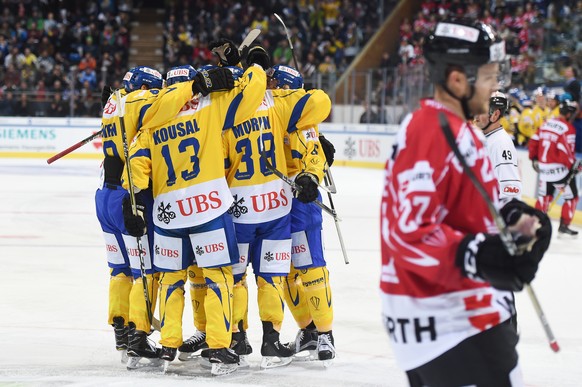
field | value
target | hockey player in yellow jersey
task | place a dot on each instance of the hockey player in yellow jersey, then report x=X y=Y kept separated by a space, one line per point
x=540 y=110
x=307 y=287
x=526 y=123
x=261 y=211
x=143 y=98
x=553 y=104
x=183 y=159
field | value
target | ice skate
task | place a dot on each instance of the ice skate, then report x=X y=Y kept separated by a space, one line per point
x=305 y=345
x=223 y=360
x=168 y=355
x=241 y=346
x=142 y=353
x=565 y=231
x=275 y=354
x=191 y=348
x=325 y=348
x=121 y=337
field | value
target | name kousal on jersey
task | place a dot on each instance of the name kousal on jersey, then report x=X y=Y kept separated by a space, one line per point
x=180 y=129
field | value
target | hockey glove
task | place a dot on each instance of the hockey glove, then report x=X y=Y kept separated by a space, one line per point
x=535 y=165
x=134 y=224
x=258 y=55
x=105 y=93
x=207 y=81
x=307 y=185
x=484 y=257
x=226 y=51
x=328 y=149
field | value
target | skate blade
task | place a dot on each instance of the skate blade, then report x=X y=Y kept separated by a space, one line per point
x=124 y=357
x=275 y=362
x=204 y=362
x=220 y=369
x=165 y=365
x=189 y=356
x=562 y=235
x=327 y=363
x=243 y=362
x=310 y=355
x=138 y=363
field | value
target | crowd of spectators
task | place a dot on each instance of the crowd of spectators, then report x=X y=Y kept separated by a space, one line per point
x=55 y=55
x=535 y=31
x=62 y=51
x=326 y=34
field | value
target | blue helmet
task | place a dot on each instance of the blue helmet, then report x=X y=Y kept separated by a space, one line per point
x=207 y=67
x=286 y=75
x=180 y=74
x=237 y=72
x=142 y=75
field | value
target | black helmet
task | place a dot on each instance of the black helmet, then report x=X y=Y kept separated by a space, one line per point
x=464 y=43
x=567 y=106
x=498 y=101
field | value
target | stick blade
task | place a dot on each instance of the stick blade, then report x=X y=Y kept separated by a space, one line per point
x=249 y=39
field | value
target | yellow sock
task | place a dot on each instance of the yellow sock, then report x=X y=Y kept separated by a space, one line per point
x=198 y=295
x=119 y=289
x=295 y=298
x=218 y=306
x=172 y=307
x=270 y=298
x=318 y=295
x=137 y=307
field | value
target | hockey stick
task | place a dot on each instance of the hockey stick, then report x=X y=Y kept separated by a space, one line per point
x=331 y=211
x=573 y=173
x=121 y=113
x=73 y=147
x=329 y=183
x=288 y=40
x=504 y=232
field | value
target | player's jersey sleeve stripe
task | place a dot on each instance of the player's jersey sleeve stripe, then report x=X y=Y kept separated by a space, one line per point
x=142 y=112
x=231 y=112
x=296 y=114
x=296 y=154
x=142 y=153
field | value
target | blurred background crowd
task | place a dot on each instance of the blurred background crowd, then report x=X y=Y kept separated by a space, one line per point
x=56 y=55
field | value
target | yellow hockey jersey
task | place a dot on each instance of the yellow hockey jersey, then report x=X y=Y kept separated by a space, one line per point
x=259 y=194
x=184 y=156
x=539 y=116
x=525 y=126
x=142 y=108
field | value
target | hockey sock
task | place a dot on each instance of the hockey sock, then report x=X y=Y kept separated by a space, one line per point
x=318 y=295
x=568 y=209
x=120 y=283
x=241 y=304
x=295 y=298
x=198 y=295
x=218 y=306
x=138 y=313
x=270 y=298
x=172 y=307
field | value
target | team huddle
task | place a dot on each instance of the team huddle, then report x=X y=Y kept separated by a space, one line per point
x=196 y=198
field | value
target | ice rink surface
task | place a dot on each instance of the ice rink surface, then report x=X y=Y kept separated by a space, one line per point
x=53 y=328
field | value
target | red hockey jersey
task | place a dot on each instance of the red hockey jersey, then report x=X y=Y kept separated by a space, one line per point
x=428 y=206
x=553 y=145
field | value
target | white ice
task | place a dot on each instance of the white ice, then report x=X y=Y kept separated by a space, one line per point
x=53 y=328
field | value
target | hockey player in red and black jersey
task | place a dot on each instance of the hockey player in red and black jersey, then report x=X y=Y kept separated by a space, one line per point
x=551 y=150
x=446 y=275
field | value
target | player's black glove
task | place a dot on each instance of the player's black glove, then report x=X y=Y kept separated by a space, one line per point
x=258 y=55
x=207 y=81
x=328 y=149
x=134 y=224
x=307 y=184
x=483 y=256
x=105 y=93
x=226 y=51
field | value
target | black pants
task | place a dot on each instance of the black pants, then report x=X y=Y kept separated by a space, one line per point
x=485 y=359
